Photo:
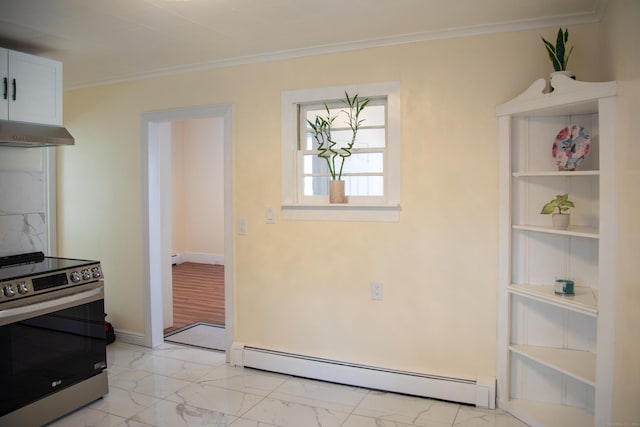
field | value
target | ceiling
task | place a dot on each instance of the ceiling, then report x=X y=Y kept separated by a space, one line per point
x=102 y=41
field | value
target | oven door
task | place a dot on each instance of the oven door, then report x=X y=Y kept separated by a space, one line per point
x=49 y=344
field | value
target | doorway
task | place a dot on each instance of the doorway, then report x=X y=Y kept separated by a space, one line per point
x=156 y=143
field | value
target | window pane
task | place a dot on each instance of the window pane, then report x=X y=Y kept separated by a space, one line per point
x=342 y=137
x=364 y=186
x=314 y=165
x=366 y=138
x=364 y=163
x=309 y=141
x=358 y=163
x=373 y=115
x=316 y=185
x=371 y=138
x=371 y=132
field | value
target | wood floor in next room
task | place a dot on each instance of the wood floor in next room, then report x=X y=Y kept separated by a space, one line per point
x=198 y=294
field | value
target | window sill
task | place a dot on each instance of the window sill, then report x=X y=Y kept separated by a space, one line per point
x=342 y=212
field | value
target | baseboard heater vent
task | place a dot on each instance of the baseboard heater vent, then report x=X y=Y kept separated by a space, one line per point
x=480 y=392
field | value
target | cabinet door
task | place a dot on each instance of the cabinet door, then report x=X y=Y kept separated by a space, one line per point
x=4 y=84
x=35 y=89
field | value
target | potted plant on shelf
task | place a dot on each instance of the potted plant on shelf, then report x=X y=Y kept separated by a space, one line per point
x=562 y=204
x=329 y=149
x=558 y=53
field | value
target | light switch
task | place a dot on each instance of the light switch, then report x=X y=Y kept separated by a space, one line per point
x=242 y=226
x=270 y=216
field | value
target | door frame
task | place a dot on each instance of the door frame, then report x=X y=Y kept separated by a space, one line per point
x=155 y=211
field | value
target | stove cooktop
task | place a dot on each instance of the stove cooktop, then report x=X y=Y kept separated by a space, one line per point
x=47 y=265
x=29 y=274
x=36 y=263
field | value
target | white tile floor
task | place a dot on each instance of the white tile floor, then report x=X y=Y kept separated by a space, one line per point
x=176 y=385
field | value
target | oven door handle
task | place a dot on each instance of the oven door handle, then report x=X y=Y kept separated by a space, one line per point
x=17 y=314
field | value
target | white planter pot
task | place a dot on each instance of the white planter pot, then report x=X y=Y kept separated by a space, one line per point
x=560 y=221
x=566 y=73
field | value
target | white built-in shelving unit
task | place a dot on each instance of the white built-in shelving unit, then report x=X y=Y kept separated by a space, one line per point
x=555 y=352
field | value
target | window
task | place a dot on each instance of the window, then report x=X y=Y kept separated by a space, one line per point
x=363 y=170
x=371 y=173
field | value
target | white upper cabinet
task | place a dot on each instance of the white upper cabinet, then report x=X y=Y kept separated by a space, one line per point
x=31 y=88
x=555 y=350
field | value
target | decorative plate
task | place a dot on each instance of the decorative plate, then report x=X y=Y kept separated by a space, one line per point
x=570 y=147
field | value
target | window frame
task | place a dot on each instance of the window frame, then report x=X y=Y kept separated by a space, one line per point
x=386 y=209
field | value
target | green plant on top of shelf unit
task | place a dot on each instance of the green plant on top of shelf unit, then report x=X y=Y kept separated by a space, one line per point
x=558 y=53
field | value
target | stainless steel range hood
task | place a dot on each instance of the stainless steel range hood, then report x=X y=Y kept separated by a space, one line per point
x=20 y=134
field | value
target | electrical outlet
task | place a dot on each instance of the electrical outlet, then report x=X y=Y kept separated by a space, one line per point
x=376 y=291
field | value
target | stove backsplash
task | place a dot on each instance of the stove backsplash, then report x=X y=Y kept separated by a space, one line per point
x=23 y=195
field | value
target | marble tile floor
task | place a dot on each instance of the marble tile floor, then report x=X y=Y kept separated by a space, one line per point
x=175 y=386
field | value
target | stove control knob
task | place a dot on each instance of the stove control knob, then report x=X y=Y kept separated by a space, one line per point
x=96 y=272
x=86 y=274
x=9 y=291
x=75 y=277
x=22 y=287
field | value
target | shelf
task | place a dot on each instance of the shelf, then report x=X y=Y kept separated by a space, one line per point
x=584 y=301
x=537 y=383
x=342 y=212
x=556 y=173
x=574 y=230
x=571 y=97
x=539 y=414
x=577 y=364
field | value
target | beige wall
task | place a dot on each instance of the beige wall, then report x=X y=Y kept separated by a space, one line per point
x=198 y=186
x=178 y=187
x=303 y=286
x=623 y=58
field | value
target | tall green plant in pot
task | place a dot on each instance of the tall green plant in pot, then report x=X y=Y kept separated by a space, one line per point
x=329 y=149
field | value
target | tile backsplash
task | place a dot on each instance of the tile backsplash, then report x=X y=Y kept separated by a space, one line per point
x=23 y=200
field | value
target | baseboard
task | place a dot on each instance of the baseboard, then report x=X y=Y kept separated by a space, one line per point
x=198 y=257
x=480 y=392
x=129 y=337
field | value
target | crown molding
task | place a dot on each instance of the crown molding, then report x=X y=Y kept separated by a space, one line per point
x=531 y=24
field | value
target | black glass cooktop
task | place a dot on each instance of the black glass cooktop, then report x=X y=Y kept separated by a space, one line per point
x=37 y=264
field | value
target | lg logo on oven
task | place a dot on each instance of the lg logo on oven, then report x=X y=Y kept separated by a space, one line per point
x=55 y=384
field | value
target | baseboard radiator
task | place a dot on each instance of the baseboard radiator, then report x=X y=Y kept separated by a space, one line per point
x=480 y=392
